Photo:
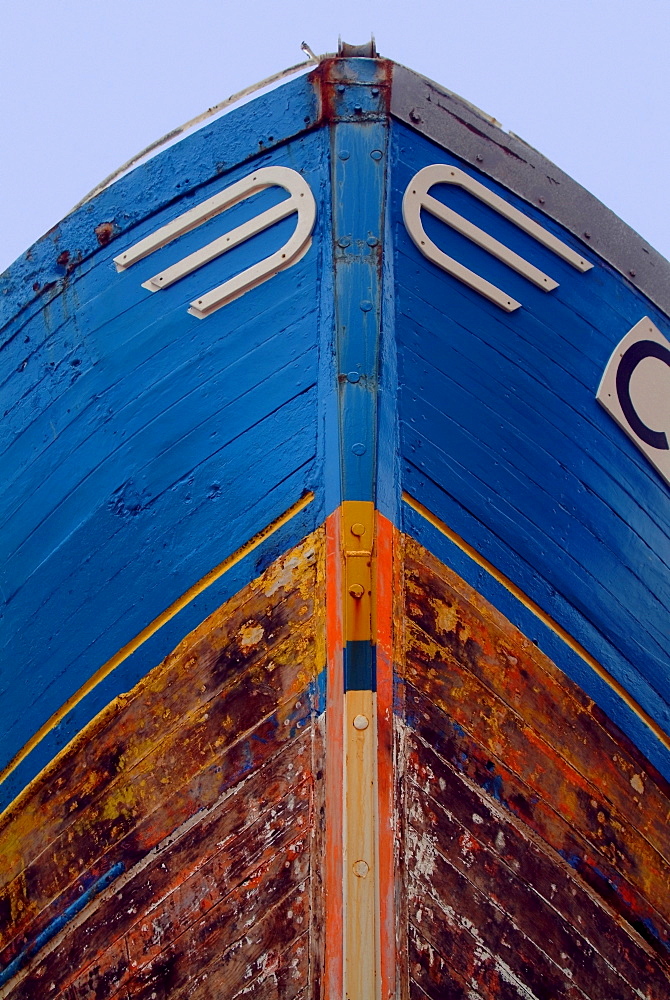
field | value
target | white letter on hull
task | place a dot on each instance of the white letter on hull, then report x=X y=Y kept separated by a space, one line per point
x=300 y=200
x=417 y=197
x=635 y=391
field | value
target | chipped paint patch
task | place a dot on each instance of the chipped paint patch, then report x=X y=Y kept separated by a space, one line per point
x=540 y=872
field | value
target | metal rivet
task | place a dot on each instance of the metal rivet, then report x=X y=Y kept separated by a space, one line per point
x=344 y=241
x=341 y=88
x=358 y=529
x=358 y=109
x=372 y=241
x=414 y=116
x=375 y=91
x=479 y=158
x=357 y=590
x=344 y=154
x=361 y=868
x=366 y=305
x=376 y=154
x=353 y=376
x=358 y=448
x=360 y=722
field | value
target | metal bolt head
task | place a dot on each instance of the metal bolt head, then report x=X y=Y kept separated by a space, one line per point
x=361 y=868
x=344 y=242
x=361 y=722
x=358 y=529
x=376 y=154
x=357 y=590
x=344 y=154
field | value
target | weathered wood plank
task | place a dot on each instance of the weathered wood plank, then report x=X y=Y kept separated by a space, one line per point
x=481 y=927
x=146 y=808
x=227 y=941
x=431 y=976
x=258 y=926
x=211 y=728
x=100 y=981
x=283 y=978
x=479 y=637
x=524 y=912
x=504 y=788
x=507 y=847
x=550 y=785
x=316 y=942
x=417 y=993
x=536 y=836
x=465 y=958
x=192 y=872
x=230 y=640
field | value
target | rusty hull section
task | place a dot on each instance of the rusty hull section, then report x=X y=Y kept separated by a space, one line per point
x=197 y=797
x=180 y=848
x=534 y=847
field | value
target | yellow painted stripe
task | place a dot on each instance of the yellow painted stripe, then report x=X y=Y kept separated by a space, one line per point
x=542 y=615
x=106 y=669
x=358 y=529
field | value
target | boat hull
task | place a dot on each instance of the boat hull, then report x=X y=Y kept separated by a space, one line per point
x=337 y=570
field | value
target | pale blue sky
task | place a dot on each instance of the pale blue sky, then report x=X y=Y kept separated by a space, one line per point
x=86 y=84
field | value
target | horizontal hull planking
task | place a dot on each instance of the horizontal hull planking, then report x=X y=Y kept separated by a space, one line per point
x=336 y=569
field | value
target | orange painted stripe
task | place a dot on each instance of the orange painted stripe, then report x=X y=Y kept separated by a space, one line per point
x=334 y=929
x=385 y=563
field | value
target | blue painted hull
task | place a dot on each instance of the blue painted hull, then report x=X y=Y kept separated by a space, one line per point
x=156 y=462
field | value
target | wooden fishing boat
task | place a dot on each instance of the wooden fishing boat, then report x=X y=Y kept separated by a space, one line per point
x=336 y=527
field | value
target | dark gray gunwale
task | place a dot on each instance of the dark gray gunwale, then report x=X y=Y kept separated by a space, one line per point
x=450 y=121
x=424 y=106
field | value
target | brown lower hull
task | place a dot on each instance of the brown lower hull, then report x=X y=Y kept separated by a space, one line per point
x=530 y=837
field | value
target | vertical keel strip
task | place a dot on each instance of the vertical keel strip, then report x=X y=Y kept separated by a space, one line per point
x=355 y=92
x=335 y=729
x=360 y=754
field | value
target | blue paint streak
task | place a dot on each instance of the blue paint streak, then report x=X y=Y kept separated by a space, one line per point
x=494 y=787
x=318 y=692
x=572 y=859
x=653 y=930
x=59 y=922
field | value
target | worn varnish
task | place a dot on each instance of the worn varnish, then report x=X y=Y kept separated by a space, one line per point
x=534 y=855
x=203 y=786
